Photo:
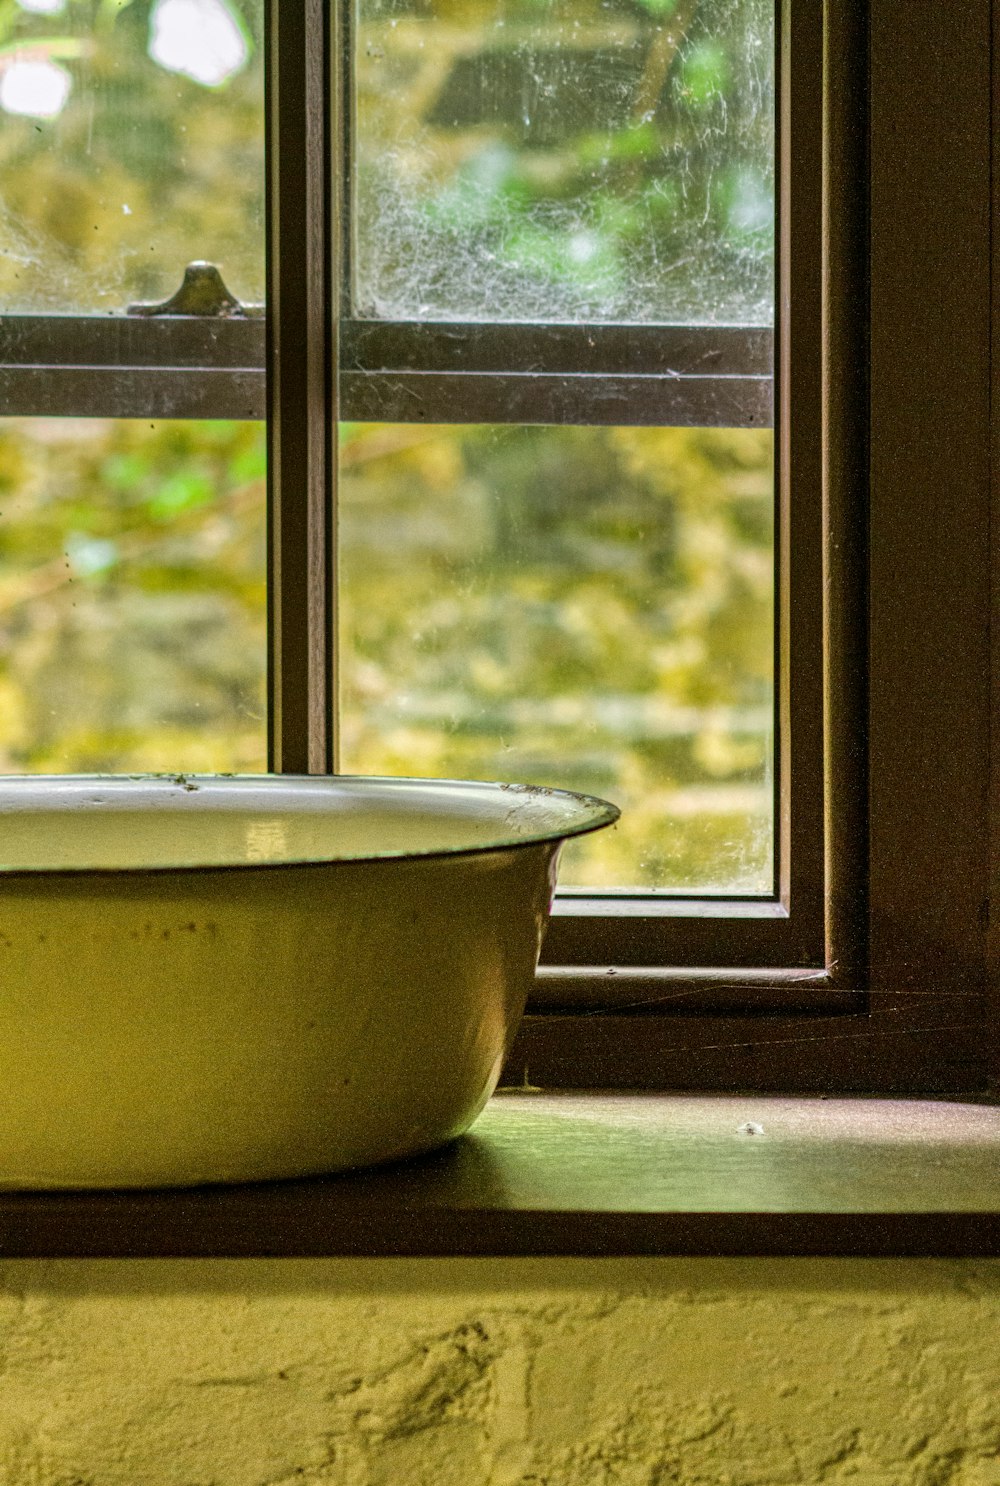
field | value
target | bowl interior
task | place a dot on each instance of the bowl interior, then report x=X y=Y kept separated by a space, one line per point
x=76 y=823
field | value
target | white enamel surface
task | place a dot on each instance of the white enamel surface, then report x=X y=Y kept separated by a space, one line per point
x=200 y=984
x=148 y=823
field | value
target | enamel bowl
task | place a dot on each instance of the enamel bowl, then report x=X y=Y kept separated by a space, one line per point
x=211 y=979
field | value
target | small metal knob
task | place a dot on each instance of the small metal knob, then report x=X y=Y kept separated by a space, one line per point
x=203 y=293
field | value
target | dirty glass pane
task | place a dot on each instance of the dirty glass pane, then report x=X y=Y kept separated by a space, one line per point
x=589 y=608
x=131 y=143
x=577 y=160
x=132 y=596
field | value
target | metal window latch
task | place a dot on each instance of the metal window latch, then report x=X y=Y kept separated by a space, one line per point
x=202 y=293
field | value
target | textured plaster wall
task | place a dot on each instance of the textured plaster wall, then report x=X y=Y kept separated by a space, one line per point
x=514 y=1373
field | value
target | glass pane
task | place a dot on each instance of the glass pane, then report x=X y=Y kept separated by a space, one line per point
x=577 y=160
x=586 y=608
x=132 y=596
x=131 y=143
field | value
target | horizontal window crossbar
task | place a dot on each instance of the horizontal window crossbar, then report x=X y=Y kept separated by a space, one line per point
x=120 y=366
x=193 y=342
x=662 y=400
x=607 y=350
x=200 y=367
x=132 y=392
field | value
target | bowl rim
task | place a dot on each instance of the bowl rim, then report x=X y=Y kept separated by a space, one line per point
x=596 y=813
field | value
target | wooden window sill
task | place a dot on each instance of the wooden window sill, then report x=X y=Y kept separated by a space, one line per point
x=591 y=1174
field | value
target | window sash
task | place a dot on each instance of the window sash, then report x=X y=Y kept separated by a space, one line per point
x=639 y=375
x=306 y=226
x=90 y=366
x=405 y=372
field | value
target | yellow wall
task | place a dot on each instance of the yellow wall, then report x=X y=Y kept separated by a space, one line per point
x=482 y=1373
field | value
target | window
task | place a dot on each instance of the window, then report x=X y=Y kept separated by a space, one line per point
x=863 y=963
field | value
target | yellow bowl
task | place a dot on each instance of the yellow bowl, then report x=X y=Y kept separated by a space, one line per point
x=212 y=979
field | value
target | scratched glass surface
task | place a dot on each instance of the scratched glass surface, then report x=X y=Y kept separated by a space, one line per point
x=132 y=596
x=573 y=160
x=590 y=608
x=131 y=143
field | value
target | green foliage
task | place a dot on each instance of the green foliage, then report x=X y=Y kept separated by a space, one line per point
x=662 y=9
x=132 y=596
x=704 y=74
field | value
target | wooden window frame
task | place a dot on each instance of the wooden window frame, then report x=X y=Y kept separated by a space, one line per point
x=884 y=451
x=874 y=966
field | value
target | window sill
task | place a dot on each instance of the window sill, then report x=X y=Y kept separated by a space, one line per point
x=592 y=1174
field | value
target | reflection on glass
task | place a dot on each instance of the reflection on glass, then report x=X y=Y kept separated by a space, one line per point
x=131 y=143
x=201 y=39
x=587 y=608
x=132 y=596
x=592 y=160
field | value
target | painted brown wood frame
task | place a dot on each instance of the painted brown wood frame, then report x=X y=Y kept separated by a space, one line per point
x=907 y=677
x=176 y=365
x=900 y=1003
x=302 y=360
